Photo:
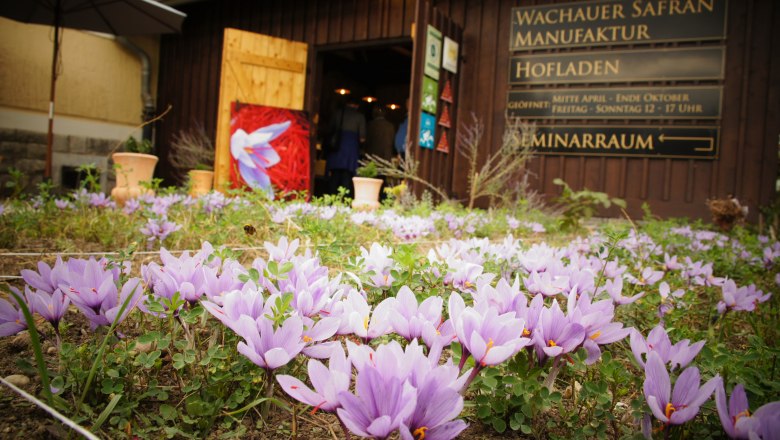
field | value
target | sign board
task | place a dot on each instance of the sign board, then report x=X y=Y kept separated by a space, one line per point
x=427 y=130
x=430 y=94
x=695 y=142
x=699 y=63
x=449 y=60
x=432 y=52
x=683 y=102
x=612 y=22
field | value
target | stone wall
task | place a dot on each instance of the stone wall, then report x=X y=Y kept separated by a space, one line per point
x=26 y=151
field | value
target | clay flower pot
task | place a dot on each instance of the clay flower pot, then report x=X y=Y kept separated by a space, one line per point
x=366 y=192
x=133 y=169
x=201 y=182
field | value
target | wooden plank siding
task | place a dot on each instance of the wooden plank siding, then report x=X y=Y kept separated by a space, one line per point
x=749 y=124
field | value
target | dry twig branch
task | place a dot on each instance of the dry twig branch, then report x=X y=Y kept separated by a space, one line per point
x=494 y=176
x=405 y=169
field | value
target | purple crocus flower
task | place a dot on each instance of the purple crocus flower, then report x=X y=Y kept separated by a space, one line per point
x=433 y=416
x=100 y=305
x=47 y=278
x=216 y=284
x=11 y=318
x=679 y=354
x=51 y=307
x=93 y=290
x=740 y=299
x=409 y=318
x=439 y=400
x=100 y=200
x=735 y=416
x=247 y=302
x=530 y=313
x=503 y=297
x=546 y=283
x=308 y=282
x=63 y=204
x=489 y=337
x=268 y=347
x=684 y=402
x=254 y=154
x=183 y=275
x=615 y=288
x=463 y=275
x=364 y=322
x=131 y=206
x=158 y=230
x=378 y=264
x=381 y=405
x=648 y=277
x=328 y=382
x=556 y=334
x=315 y=333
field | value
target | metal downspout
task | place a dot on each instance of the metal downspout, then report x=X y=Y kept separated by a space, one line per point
x=146 y=75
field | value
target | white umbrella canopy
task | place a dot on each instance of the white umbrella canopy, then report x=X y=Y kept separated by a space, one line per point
x=118 y=17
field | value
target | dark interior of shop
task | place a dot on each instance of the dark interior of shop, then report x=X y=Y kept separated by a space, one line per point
x=374 y=76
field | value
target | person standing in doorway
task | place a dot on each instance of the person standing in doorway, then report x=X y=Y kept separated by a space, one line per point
x=380 y=135
x=349 y=127
x=401 y=134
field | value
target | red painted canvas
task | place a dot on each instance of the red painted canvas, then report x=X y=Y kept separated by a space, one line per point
x=269 y=149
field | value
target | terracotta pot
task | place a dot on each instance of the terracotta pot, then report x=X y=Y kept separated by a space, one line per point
x=366 y=192
x=133 y=169
x=201 y=182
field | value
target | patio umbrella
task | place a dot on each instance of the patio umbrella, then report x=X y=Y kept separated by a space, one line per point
x=118 y=17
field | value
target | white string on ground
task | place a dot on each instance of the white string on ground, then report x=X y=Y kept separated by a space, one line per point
x=252 y=248
x=66 y=421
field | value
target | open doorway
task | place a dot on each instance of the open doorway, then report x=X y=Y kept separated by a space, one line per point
x=376 y=77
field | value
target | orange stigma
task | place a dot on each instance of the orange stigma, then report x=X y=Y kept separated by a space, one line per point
x=307 y=338
x=670 y=409
x=595 y=335
x=526 y=332
x=744 y=413
x=419 y=433
x=551 y=343
x=489 y=346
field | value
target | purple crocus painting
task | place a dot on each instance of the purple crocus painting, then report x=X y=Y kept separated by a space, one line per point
x=269 y=149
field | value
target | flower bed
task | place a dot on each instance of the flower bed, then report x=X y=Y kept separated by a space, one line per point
x=315 y=320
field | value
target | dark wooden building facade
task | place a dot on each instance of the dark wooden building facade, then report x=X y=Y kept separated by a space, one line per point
x=749 y=120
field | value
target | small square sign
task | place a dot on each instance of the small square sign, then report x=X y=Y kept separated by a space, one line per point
x=427 y=130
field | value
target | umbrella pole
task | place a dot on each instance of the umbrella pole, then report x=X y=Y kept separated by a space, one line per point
x=54 y=62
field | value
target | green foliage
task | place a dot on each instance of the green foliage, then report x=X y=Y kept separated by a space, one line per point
x=368 y=170
x=144 y=146
x=16 y=183
x=177 y=373
x=90 y=177
x=582 y=205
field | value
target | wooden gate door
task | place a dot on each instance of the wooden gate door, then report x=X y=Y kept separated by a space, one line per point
x=256 y=69
x=434 y=95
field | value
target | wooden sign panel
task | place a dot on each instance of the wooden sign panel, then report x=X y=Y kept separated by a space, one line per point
x=696 y=142
x=689 y=102
x=705 y=63
x=611 y=22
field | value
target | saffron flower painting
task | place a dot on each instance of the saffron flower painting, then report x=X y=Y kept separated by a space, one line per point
x=269 y=149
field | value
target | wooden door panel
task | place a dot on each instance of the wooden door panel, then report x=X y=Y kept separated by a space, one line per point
x=256 y=69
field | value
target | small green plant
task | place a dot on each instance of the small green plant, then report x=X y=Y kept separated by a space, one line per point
x=369 y=170
x=579 y=205
x=90 y=177
x=144 y=146
x=17 y=182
